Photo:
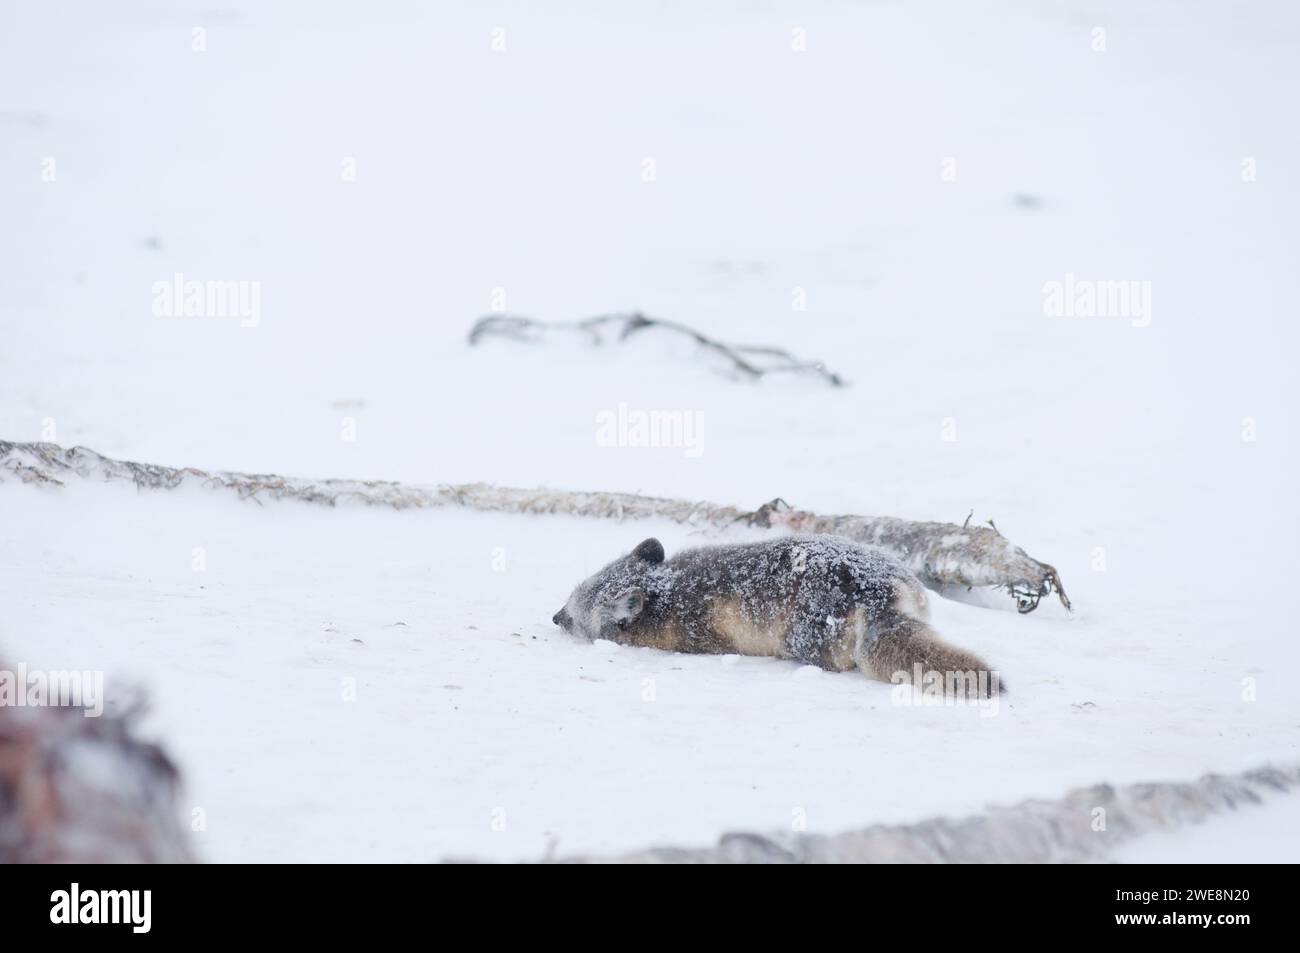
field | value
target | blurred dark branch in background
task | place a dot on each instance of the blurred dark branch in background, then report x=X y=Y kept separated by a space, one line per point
x=77 y=789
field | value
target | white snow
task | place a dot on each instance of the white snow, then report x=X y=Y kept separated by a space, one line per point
x=1153 y=465
x=1256 y=834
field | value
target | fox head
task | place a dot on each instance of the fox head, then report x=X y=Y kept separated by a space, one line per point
x=614 y=598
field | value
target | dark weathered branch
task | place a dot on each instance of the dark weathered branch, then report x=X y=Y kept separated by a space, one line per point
x=941 y=554
x=750 y=362
x=1083 y=826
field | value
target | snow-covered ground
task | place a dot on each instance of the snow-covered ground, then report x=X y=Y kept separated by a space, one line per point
x=1149 y=457
x=1264 y=834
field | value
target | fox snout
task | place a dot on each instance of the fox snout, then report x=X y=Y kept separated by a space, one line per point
x=562 y=619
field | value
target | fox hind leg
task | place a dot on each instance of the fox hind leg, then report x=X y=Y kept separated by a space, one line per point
x=893 y=647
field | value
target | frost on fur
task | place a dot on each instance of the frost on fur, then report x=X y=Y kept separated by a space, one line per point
x=820 y=600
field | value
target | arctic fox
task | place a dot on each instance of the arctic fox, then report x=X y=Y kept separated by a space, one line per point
x=820 y=600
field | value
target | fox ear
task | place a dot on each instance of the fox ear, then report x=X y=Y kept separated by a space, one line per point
x=627 y=605
x=651 y=550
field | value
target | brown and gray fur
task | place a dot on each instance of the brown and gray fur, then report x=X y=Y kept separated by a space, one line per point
x=819 y=600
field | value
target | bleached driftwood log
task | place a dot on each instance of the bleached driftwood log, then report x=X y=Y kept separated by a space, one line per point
x=745 y=361
x=85 y=790
x=1084 y=825
x=941 y=554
